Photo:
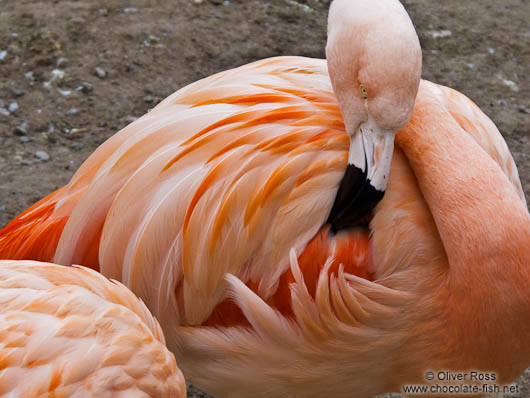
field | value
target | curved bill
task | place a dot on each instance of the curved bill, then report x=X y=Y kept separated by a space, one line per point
x=365 y=180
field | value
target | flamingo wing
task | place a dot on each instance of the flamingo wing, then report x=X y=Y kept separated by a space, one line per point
x=226 y=175
x=245 y=171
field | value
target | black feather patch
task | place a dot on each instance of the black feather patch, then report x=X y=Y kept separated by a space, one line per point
x=356 y=198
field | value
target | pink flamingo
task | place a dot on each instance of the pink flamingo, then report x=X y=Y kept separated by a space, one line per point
x=238 y=210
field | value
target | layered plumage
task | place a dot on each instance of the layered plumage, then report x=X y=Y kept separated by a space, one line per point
x=175 y=257
x=425 y=306
x=212 y=208
x=70 y=332
x=200 y=186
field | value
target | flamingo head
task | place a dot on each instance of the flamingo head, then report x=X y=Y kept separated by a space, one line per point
x=374 y=61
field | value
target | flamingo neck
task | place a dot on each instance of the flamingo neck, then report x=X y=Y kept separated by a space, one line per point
x=476 y=209
x=485 y=230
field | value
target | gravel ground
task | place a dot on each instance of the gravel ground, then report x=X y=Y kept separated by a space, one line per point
x=72 y=73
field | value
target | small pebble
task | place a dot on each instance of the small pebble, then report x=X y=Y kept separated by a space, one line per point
x=14 y=35
x=25 y=139
x=4 y=112
x=303 y=7
x=13 y=107
x=130 y=118
x=42 y=156
x=130 y=10
x=72 y=111
x=151 y=40
x=100 y=72
x=22 y=128
x=491 y=51
x=149 y=99
x=51 y=128
x=470 y=65
x=439 y=34
x=18 y=93
x=510 y=84
x=3 y=54
x=76 y=146
x=57 y=74
x=84 y=87
x=50 y=137
x=502 y=102
x=2 y=208
x=524 y=109
x=62 y=62
x=65 y=93
x=29 y=75
x=103 y=11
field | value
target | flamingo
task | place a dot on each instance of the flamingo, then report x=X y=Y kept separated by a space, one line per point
x=70 y=332
x=247 y=211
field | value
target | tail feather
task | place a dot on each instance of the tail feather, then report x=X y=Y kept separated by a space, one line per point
x=35 y=233
x=350 y=249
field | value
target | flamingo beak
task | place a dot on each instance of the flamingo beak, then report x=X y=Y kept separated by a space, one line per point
x=366 y=177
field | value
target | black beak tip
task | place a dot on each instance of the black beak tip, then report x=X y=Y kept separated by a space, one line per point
x=355 y=201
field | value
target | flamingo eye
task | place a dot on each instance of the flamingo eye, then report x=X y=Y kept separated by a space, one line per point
x=364 y=91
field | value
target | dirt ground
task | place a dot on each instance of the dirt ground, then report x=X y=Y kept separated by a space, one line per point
x=72 y=73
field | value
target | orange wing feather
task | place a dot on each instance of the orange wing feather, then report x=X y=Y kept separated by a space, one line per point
x=34 y=234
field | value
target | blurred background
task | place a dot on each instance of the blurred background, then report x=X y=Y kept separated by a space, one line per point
x=72 y=73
